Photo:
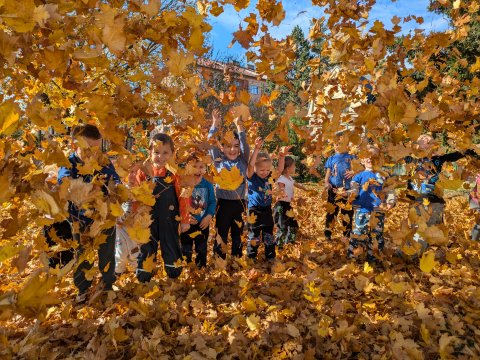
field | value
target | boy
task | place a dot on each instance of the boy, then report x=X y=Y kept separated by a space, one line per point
x=202 y=209
x=86 y=143
x=369 y=209
x=338 y=175
x=422 y=185
x=232 y=153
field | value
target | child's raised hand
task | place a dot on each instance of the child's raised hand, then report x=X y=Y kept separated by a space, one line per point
x=216 y=117
x=258 y=143
x=284 y=151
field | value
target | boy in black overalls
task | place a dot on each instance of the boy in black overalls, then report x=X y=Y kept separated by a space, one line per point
x=165 y=212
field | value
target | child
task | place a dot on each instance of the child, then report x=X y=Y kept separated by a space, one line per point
x=475 y=205
x=259 y=177
x=230 y=204
x=87 y=142
x=166 y=210
x=337 y=182
x=126 y=249
x=202 y=205
x=287 y=226
x=422 y=185
x=369 y=210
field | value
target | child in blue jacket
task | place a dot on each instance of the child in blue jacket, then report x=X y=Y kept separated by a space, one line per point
x=202 y=204
x=369 y=204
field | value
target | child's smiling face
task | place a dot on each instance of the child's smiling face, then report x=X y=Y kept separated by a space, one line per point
x=263 y=168
x=199 y=170
x=160 y=154
x=232 y=149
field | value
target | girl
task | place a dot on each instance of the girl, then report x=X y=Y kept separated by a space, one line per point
x=166 y=210
x=287 y=226
x=260 y=217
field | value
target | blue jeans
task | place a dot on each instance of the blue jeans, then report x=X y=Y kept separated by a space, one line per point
x=367 y=228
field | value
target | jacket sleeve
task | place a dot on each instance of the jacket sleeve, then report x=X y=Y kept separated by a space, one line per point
x=214 y=151
x=212 y=201
x=244 y=147
x=62 y=173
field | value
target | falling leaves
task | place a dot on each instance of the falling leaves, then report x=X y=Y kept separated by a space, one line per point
x=229 y=179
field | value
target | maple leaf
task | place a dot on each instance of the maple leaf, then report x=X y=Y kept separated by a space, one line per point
x=427 y=261
x=229 y=179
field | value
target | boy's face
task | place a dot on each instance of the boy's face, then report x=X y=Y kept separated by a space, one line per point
x=263 y=169
x=160 y=154
x=425 y=142
x=87 y=148
x=366 y=162
x=231 y=150
x=199 y=170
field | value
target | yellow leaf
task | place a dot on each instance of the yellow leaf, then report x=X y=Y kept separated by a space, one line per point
x=149 y=263
x=367 y=268
x=229 y=179
x=398 y=288
x=249 y=305
x=251 y=218
x=178 y=62
x=323 y=325
x=475 y=67
x=144 y=194
x=8 y=117
x=195 y=234
x=116 y=209
x=139 y=233
x=425 y=334
x=290 y=213
x=8 y=251
x=427 y=262
x=253 y=322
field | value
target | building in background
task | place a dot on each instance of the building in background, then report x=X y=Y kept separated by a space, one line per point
x=245 y=78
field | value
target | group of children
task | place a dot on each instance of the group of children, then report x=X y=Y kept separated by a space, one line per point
x=181 y=224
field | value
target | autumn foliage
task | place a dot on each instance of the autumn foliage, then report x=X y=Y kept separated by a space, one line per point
x=122 y=65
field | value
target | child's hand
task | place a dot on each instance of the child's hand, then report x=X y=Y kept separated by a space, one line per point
x=192 y=220
x=284 y=151
x=216 y=117
x=184 y=227
x=349 y=174
x=205 y=222
x=258 y=143
x=238 y=123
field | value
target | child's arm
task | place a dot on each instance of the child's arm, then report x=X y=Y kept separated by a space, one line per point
x=214 y=151
x=253 y=158
x=300 y=186
x=211 y=207
x=328 y=173
x=242 y=137
x=284 y=151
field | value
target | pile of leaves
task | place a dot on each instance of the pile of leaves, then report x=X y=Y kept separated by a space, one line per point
x=310 y=303
x=124 y=66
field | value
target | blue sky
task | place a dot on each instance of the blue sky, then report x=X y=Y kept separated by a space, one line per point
x=300 y=12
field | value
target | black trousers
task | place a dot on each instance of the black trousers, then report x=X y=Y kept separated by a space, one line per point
x=261 y=231
x=330 y=217
x=229 y=219
x=63 y=231
x=199 y=237
x=106 y=261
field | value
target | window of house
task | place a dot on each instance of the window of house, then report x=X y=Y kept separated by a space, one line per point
x=253 y=89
